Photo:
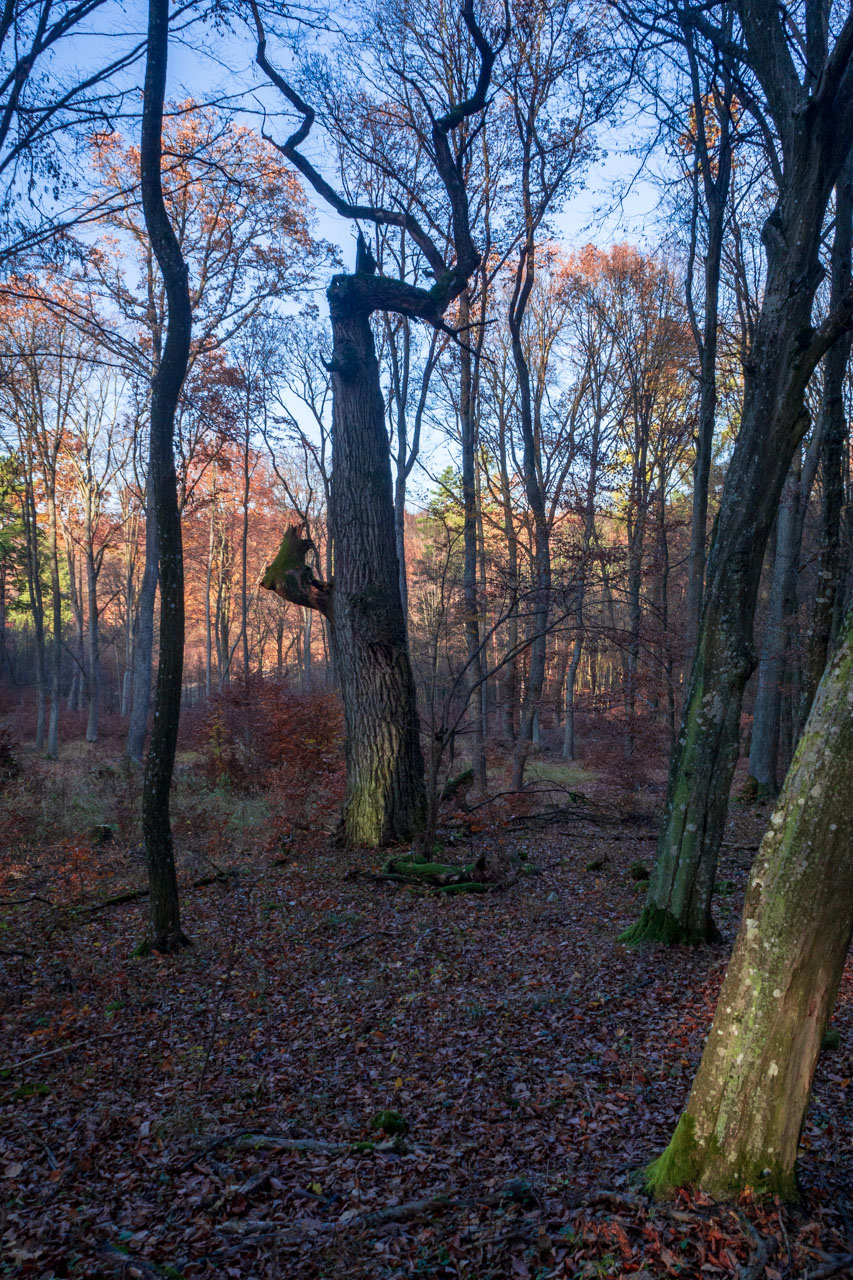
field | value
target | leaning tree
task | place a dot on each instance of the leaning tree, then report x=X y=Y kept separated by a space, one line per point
x=801 y=95
x=385 y=796
x=742 y=1124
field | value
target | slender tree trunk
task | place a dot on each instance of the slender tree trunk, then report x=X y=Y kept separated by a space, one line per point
x=541 y=568
x=37 y=610
x=743 y=1121
x=764 y=746
x=468 y=422
x=165 y=924
x=208 y=639
x=143 y=645
x=52 y=746
x=93 y=638
x=569 y=744
x=714 y=167
x=386 y=798
x=244 y=553
x=75 y=597
x=510 y=682
x=832 y=462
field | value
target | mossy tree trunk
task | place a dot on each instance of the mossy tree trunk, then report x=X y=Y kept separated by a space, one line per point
x=386 y=796
x=743 y=1120
x=808 y=114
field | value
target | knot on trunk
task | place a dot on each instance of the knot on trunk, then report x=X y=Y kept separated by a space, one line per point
x=291 y=578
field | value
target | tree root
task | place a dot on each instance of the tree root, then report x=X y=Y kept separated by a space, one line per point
x=516 y=1191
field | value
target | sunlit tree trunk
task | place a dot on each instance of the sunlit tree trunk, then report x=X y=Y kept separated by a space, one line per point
x=743 y=1120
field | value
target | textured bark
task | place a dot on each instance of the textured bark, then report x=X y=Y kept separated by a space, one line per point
x=743 y=1120
x=834 y=443
x=164 y=917
x=386 y=798
x=785 y=350
x=764 y=746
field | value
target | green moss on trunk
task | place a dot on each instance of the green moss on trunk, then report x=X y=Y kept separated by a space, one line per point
x=656 y=924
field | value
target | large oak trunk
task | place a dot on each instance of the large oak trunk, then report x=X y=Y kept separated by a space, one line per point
x=743 y=1120
x=385 y=797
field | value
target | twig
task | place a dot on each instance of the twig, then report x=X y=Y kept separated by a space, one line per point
x=16 y=951
x=134 y=1266
x=64 y=1048
x=374 y=933
x=21 y=902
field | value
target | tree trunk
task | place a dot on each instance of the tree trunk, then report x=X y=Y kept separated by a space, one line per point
x=164 y=918
x=745 y=1113
x=764 y=746
x=30 y=521
x=385 y=798
x=468 y=422
x=541 y=567
x=834 y=443
x=772 y=425
x=93 y=639
x=52 y=746
x=143 y=643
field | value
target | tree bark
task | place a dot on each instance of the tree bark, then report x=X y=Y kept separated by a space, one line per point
x=832 y=461
x=743 y=1120
x=143 y=640
x=164 y=919
x=785 y=351
x=468 y=423
x=386 y=798
x=764 y=746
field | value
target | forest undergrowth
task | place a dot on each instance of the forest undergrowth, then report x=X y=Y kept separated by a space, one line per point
x=344 y=1076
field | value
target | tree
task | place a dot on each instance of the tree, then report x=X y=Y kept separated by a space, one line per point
x=803 y=103
x=386 y=799
x=44 y=100
x=743 y=1120
x=244 y=230
x=164 y=909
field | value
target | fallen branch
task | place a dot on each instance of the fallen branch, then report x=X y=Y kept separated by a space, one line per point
x=64 y=1048
x=516 y=1191
x=244 y=1141
x=365 y=937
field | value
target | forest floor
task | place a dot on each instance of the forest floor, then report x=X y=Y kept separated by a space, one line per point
x=215 y=1113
